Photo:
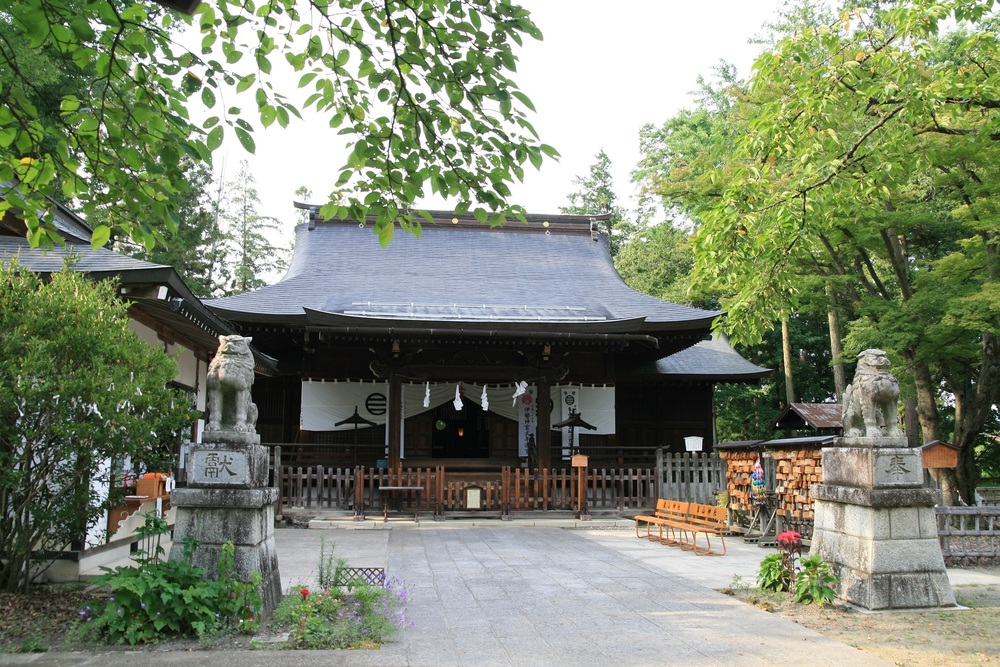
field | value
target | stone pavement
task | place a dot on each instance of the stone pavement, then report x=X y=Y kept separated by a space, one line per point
x=529 y=592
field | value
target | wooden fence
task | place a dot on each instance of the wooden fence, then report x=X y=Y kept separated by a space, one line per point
x=510 y=490
x=696 y=477
x=968 y=535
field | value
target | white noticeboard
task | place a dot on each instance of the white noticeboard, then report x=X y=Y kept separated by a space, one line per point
x=692 y=443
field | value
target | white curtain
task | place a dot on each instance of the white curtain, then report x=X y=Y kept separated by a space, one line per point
x=324 y=403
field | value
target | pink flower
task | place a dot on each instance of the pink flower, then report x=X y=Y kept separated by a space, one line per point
x=789 y=537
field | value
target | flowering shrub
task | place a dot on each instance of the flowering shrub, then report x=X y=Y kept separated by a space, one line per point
x=810 y=579
x=777 y=571
x=362 y=616
x=790 y=544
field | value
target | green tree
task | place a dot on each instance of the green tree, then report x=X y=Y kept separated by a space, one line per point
x=40 y=75
x=676 y=156
x=78 y=389
x=596 y=196
x=658 y=261
x=421 y=90
x=193 y=247
x=865 y=167
x=250 y=255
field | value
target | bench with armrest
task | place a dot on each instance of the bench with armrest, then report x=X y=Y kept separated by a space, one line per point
x=669 y=515
x=679 y=524
x=710 y=521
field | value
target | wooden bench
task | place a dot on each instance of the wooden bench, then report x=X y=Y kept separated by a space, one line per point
x=710 y=521
x=399 y=491
x=650 y=519
x=669 y=514
x=680 y=524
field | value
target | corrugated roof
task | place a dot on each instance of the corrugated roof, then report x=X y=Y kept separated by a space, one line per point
x=779 y=443
x=813 y=415
x=544 y=271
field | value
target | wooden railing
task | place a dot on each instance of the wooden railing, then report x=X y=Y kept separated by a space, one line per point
x=510 y=490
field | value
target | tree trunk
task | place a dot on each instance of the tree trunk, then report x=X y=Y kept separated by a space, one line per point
x=973 y=404
x=930 y=424
x=836 y=353
x=786 y=354
x=927 y=413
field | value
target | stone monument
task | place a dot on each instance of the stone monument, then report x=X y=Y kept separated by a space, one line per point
x=227 y=498
x=874 y=519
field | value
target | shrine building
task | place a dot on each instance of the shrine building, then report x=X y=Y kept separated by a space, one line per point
x=476 y=348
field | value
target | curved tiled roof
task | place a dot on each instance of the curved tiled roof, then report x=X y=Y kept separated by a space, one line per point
x=554 y=271
x=713 y=359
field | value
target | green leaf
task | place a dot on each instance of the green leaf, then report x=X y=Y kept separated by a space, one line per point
x=245 y=82
x=246 y=139
x=208 y=97
x=215 y=138
x=100 y=236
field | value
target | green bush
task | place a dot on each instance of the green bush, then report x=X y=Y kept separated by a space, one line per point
x=814 y=582
x=773 y=575
x=78 y=388
x=809 y=578
x=161 y=599
x=362 y=616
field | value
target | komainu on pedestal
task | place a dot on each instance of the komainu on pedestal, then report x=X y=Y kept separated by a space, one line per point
x=227 y=498
x=874 y=519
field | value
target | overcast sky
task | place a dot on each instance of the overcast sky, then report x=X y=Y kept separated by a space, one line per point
x=603 y=70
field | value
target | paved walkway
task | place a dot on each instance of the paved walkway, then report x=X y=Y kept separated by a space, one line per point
x=526 y=593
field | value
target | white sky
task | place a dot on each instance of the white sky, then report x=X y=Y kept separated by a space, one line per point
x=604 y=69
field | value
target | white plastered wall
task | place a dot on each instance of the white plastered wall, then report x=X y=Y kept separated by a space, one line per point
x=190 y=373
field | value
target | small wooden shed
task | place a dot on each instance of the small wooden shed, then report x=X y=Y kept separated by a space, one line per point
x=818 y=417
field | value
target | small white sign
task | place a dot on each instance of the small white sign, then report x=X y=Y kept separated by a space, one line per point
x=692 y=443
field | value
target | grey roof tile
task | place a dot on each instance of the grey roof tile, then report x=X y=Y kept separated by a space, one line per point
x=713 y=359
x=457 y=273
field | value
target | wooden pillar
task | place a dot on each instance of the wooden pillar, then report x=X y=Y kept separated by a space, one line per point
x=394 y=425
x=543 y=436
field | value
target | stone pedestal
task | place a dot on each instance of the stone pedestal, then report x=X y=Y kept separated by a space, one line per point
x=875 y=524
x=227 y=501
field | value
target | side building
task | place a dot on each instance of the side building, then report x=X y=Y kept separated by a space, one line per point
x=165 y=314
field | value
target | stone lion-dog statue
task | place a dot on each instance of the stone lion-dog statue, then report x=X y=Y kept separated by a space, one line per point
x=870 y=402
x=230 y=376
